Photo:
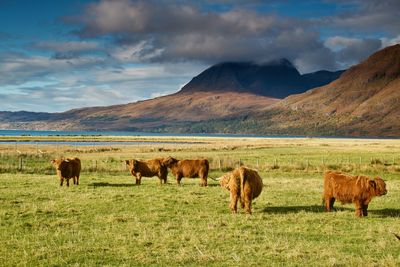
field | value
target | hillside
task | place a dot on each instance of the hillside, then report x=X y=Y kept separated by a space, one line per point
x=364 y=101
x=143 y=115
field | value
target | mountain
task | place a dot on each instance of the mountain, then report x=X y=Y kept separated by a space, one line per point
x=364 y=101
x=224 y=91
x=276 y=79
x=149 y=115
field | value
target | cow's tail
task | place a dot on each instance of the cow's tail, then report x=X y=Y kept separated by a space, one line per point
x=242 y=183
x=215 y=179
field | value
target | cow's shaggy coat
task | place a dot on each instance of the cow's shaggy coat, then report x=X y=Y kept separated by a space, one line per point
x=190 y=168
x=351 y=189
x=68 y=168
x=149 y=168
x=244 y=184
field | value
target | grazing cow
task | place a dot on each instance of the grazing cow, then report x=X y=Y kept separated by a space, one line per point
x=188 y=168
x=244 y=184
x=68 y=168
x=149 y=168
x=351 y=189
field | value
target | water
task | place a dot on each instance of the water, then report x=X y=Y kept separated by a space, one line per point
x=84 y=143
x=122 y=133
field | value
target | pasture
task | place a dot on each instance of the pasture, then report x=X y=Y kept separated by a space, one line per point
x=107 y=220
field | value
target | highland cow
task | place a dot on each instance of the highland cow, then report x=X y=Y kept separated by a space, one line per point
x=149 y=168
x=68 y=168
x=244 y=184
x=351 y=189
x=188 y=168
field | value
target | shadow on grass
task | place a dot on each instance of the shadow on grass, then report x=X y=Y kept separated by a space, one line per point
x=321 y=209
x=297 y=209
x=212 y=185
x=110 y=185
x=386 y=212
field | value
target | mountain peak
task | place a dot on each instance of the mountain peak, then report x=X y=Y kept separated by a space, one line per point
x=278 y=79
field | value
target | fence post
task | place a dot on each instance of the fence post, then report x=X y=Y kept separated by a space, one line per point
x=240 y=163
x=258 y=164
x=20 y=163
x=219 y=163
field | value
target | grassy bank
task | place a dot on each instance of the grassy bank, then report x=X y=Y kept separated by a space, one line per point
x=106 y=220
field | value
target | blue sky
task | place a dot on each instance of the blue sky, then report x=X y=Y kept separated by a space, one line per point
x=65 y=54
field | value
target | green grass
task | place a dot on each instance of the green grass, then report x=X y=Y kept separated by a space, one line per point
x=107 y=220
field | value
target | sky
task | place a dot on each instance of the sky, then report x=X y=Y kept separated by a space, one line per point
x=66 y=54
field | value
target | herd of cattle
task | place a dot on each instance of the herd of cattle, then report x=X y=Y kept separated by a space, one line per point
x=244 y=184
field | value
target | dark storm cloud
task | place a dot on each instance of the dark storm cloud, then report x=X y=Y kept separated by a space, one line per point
x=185 y=32
x=352 y=50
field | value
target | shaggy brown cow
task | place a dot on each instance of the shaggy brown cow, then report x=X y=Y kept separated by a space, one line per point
x=149 y=168
x=68 y=168
x=188 y=168
x=351 y=189
x=244 y=184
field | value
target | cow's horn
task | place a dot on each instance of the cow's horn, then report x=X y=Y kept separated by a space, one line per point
x=216 y=179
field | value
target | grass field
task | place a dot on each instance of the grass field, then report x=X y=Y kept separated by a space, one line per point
x=107 y=220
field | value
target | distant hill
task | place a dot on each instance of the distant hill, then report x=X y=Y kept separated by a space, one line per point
x=149 y=115
x=277 y=79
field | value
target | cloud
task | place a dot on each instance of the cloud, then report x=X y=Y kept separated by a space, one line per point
x=390 y=41
x=368 y=16
x=39 y=83
x=69 y=46
x=150 y=31
x=350 y=51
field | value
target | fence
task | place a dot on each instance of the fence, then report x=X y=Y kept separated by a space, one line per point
x=40 y=163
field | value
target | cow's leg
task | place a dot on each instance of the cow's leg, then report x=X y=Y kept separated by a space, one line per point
x=329 y=201
x=67 y=181
x=178 y=179
x=247 y=205
x=365 y=209
x=247 y=202
x=203 y=180
x=77 y=179
x=162 y=177
x=61 y=181
x=332 y=201
x=138 y=178
x=233 y=202
x=74 y=180
x=359 y=209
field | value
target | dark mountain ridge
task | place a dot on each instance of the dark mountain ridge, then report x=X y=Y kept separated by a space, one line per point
x=277 y=79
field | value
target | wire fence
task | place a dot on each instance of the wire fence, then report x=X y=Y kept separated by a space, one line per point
x=40 y=163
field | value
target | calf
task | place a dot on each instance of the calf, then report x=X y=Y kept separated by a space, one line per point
x=244 y=184
x=188 y=168
x=68 y=168
x=351 y=189
x=149 y=168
